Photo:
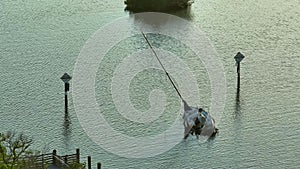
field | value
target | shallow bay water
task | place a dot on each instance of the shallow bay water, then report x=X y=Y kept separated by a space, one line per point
x=41 y=40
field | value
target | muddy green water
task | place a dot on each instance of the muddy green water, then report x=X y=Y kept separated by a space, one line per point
x=40 y=40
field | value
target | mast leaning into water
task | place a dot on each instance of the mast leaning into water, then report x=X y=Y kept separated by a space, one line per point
x=196 y=120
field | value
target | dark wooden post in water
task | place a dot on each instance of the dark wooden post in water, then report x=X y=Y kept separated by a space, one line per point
x=89 y=162
x=98 y=165
x=66 y=78
x=238 y=58
x=54 y=157
x=77 y=155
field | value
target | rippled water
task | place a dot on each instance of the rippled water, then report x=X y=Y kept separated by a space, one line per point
x=40 y=40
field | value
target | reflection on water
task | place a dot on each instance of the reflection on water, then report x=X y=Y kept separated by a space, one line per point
x=67 y=131
x=237 y=105
x=183 y=13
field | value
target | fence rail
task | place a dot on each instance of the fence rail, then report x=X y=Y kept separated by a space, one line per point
x=44 y=160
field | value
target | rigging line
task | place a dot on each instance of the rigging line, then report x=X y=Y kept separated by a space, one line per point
x=162 y=65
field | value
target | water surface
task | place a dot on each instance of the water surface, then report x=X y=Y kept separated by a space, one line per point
x=40 y=40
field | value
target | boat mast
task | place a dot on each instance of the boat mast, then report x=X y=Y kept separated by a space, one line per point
x=162 y=66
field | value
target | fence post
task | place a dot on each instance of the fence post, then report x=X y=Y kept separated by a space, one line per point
x=43 y=161
x=66 y=160
x=78 y=155
x=98 y=165
x=89 y=162
x=53 y=157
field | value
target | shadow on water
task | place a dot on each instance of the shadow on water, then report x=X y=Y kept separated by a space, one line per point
x=182 y=13
x=67 y=130
x=155 y=21
x=212 y=138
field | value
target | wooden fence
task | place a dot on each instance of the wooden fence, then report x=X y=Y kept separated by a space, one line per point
x=44 y=160
x=66 y=160
x=40 y=161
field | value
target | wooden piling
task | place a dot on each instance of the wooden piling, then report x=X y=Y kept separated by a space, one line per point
x=238 y=58
x=66 y=78
x=66 y=103
x=78 y=155
x=238 y=78
x=89 y=162
x=99 y=165
x=53 y=157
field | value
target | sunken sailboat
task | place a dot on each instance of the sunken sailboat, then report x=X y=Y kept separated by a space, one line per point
x=196 y=121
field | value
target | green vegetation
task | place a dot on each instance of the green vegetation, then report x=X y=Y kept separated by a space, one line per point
x=156 y=5
x=15 y=153
x=12 y=150
x=76 y=166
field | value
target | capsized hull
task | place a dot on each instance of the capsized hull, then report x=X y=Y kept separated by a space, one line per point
x=198 y=122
